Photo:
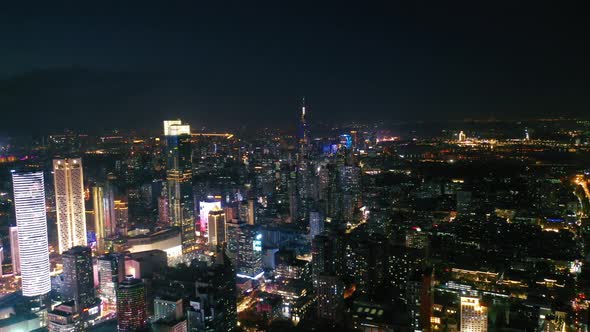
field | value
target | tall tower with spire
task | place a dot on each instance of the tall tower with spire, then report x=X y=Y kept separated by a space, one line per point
x=304 y=136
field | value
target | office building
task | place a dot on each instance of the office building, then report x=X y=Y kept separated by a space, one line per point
x=214 y=307
x=69 y=203
x=31 y=220
x=104 y=215
x=78 y=277
x=65 y=318
x=217 y=228
x=246 y=212
x=167 y=308
x=249 y=251
x=121 y=217
x=204 y=208
x=179 y=176
x=474 y=315
x=111 y=271
x=131 y=305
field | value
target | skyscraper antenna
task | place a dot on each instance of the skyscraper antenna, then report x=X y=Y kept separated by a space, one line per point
x=303 y=107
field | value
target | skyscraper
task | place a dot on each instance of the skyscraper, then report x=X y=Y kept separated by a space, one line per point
x=78 y=277
x=31 y=220
x=474 y=316
x=14 y=254
x=69 y=203
x=204 y=208
x=179 y=175
x=316 y=224
x=249 y=258
x=121 y=213
x=104 y=215
x=214 y=308
x=131 y=305
x=217 y=228
x=111 y=271
x=304 y=136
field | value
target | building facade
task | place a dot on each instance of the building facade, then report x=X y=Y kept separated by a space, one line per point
x=474 y=316
x=31 y=220
x=69 y=203
x=131 y=305
x=179 y=176
x=78 y=277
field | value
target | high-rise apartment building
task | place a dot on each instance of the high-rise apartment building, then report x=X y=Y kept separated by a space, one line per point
x=474 y=315
x=179 y=176
x=329 y=293
x=69 y=203
x=31 y=220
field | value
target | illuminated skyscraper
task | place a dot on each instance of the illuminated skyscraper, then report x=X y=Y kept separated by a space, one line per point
x=474 y=316
x=121 y=212
x=204 y=208
x=462 y=136
x=217 y=228
x=304 y=136
x=78 y=277
x=246 y=211
x=131 y=305
x=99 y=217
x=14 y=250
x=31 y=220
x=249 y=256
x=111 y=270
x=179 y=175
x=69 y=203
x=104 y=215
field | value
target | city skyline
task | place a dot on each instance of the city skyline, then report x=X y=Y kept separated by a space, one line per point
x=294 y=166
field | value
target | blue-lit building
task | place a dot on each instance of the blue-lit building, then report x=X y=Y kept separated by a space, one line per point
x=249 y=251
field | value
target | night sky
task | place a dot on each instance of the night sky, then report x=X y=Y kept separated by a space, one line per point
x=221 y=64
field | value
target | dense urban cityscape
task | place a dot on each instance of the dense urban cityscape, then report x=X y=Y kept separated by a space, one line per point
x=254 y=166
x=469 y=226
